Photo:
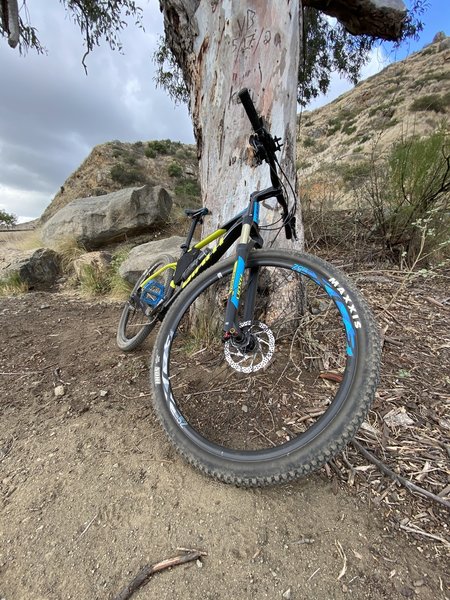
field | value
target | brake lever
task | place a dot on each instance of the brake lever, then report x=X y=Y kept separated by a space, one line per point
x=259 y=151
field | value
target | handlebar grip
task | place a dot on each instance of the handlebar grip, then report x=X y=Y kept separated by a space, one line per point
x=250 y=109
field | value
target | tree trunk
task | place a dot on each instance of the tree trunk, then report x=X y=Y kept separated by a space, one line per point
x=223 y=47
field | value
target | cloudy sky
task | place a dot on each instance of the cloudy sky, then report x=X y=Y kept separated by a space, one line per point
x=52 y=114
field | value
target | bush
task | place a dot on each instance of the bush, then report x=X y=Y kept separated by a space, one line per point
x=175 y=170
x=334 y=125
x=94 y=282
x=431 y=102
x=349 y=128
x=127 y=175
x=188 y=188
x=101 y=282
x=309 y=142
x=163 y=146
x=409 y=196
x=150 y=152
x=354 y=175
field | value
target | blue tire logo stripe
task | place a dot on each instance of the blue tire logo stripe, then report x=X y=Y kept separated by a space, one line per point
x=337 y=298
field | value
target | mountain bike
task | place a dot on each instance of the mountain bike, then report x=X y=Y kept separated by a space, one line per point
x=266 y=363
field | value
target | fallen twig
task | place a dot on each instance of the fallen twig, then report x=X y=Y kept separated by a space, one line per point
x=412 y=487
x=437 y=303
x=344 y=558
x=147 y=571
x=414 y=529
x=87 y=526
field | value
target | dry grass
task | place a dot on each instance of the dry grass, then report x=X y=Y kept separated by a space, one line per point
x=69 y=250
x=12 y=285
x=21 y=240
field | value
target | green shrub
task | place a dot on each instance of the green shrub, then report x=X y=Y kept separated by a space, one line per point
x=150 y=153
x=175 y=170
x=94 y=282
x=354 y=174
x=334 y=125
x=431 y=102
x=127 y=175
x=302 y=164
x=309 y=142
x=188 y=188
x=163 y=146
x=349 y=128
x=119 y=287
x=409 y=194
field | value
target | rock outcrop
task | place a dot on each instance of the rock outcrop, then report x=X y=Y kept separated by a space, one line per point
x=93 y=222
x=38 y=268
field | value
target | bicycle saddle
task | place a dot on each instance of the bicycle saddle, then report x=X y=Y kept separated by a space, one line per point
x=195 y=213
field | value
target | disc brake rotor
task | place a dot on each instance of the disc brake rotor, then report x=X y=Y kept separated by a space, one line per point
x=261 y=353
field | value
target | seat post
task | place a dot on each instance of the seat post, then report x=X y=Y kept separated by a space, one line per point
x=190 y=235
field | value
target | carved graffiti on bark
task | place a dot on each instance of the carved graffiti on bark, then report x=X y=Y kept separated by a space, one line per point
x=249 y=35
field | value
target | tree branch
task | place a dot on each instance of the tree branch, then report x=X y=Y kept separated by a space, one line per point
x=146 y=572
x=383 y=19
x=10 y=21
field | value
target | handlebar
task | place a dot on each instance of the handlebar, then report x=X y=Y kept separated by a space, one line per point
x=265 y=146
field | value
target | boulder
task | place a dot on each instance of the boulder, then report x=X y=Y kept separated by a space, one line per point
x=144 y=255
x=99 y=261
x=37 y=268
x=98 y=220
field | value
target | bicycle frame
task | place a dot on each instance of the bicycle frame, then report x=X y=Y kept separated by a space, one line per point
x=244 y=225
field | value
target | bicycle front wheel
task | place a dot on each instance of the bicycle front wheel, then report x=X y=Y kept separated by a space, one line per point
x=286 y=401
x=139 y=315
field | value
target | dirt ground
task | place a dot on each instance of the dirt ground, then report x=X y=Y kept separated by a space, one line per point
x=91 y=490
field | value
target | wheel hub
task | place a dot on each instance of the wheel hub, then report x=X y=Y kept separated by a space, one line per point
x=254 y=352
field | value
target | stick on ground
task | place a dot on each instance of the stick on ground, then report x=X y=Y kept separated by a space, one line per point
x=146 y=572
x=412 y=487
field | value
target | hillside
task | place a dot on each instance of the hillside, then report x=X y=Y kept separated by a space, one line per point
x=410 y=97
x=116 y=165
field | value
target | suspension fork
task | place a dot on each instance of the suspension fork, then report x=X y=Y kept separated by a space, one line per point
x=231 y=326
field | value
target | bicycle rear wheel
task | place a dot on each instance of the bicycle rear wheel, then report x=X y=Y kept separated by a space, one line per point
x=139 y=315
x=288 y=400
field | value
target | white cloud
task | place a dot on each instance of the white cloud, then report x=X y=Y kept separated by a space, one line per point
x=26 y=205
x=51 y=114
